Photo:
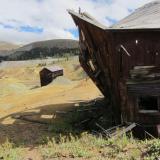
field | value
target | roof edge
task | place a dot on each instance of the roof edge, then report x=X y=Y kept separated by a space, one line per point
x=86 y=17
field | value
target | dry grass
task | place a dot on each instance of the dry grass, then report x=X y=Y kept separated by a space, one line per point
x=87 y=146
x=68 y=142
x=62 y=139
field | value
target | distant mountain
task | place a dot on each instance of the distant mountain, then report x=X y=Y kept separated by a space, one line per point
x=55 y=43
x=42 y=49
x=6 y=48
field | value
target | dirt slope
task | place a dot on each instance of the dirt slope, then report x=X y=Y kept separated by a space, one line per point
x=20 y=87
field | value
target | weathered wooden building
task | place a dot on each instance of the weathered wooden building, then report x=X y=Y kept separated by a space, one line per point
x=124 y=62
x=48 y=74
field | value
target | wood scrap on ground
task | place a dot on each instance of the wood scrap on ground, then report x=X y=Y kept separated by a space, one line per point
x=24 y=118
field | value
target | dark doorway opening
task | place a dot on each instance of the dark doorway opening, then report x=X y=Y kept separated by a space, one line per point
x=148 y=103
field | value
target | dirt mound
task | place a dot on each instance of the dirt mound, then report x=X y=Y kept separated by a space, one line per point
x=61 y=81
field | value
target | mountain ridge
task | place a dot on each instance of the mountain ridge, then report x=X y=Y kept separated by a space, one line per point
x=42 y=49
x=6 y=47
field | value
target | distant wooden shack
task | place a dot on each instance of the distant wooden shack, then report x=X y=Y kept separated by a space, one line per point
x=48 y=74
x=124 y=62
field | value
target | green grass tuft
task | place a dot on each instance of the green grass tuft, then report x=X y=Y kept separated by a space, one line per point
x=8 y=151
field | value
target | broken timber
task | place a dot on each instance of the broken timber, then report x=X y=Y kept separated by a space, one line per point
x=117 y=131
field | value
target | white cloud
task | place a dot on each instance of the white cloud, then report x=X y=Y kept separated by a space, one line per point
x=51 y=15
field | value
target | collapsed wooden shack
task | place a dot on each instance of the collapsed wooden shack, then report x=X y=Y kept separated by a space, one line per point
x=124 y=62
x=48 y=74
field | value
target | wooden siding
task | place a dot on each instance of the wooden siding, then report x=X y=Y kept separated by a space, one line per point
x=108 y=56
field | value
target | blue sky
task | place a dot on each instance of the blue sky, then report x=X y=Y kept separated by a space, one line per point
x=27 y=28
x=74 y=32
x=32 y=29
x=25 y=21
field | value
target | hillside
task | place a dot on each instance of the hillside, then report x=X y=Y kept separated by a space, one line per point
x=56 y=43
x=6 y=47
x=43 y=49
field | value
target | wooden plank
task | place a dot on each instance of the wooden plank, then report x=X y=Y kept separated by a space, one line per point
x=125 y=130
